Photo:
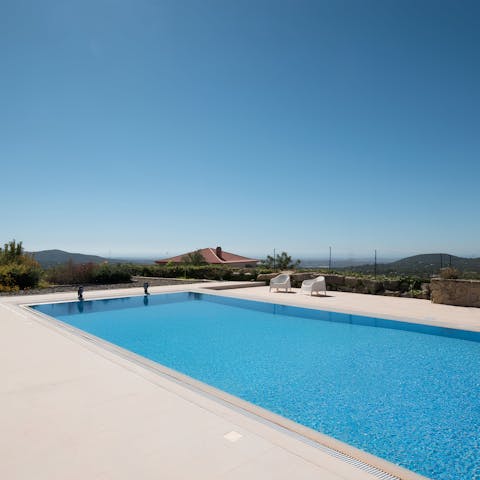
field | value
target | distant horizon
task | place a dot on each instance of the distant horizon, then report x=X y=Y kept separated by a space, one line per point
x=381 y=258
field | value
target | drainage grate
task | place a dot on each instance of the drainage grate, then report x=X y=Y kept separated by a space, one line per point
x=357 y=463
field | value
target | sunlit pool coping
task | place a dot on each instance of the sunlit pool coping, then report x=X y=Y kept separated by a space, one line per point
x=363 y=460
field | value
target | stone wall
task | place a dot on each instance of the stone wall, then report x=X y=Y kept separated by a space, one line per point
x=464 y=293
x=342 y=283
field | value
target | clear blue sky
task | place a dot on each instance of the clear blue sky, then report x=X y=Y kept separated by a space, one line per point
x=145 y=127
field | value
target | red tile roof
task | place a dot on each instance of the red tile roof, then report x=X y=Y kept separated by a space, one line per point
x=210 y=255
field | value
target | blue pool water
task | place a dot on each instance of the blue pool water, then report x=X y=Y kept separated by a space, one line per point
x=405 y=392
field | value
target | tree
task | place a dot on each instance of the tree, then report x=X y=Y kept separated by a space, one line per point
x=12 y=252
x=17 y=269
x=282 y=261
x=194 y=258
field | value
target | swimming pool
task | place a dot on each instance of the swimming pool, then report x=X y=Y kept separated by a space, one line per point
x=404 y=392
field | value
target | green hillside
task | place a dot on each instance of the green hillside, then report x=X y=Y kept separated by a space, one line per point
x=51 y=258
x=425 y=264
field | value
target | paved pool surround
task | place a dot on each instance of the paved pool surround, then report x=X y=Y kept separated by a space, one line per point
x=70 y=408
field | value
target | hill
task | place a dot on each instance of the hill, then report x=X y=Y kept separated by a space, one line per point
x=426 y=264
x=51 y=258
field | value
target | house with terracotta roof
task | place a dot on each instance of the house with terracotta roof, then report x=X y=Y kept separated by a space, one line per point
x=215 y=256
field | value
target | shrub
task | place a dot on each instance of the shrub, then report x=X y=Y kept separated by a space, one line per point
x=471 y=275
x=16 y=276
x=17 y=269
x=107 y=273
x=449 y=273
x=70 y=273
x=206 y=272
x=75 y=274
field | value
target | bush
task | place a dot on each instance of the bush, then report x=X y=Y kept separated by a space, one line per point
x=206 y=272
x=17 y=269
x=70 y=273
x=449 y=273
x=107 y=273
x=89 y=273
x=16 y=276
x=471 y=275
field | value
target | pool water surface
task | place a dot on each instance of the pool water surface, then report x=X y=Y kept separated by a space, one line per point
x=404 y=392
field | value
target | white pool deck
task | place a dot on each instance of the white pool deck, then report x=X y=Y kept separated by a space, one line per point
x=69 y=409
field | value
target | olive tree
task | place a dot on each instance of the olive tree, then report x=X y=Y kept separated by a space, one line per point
x=282 y=261
x=194 y=258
